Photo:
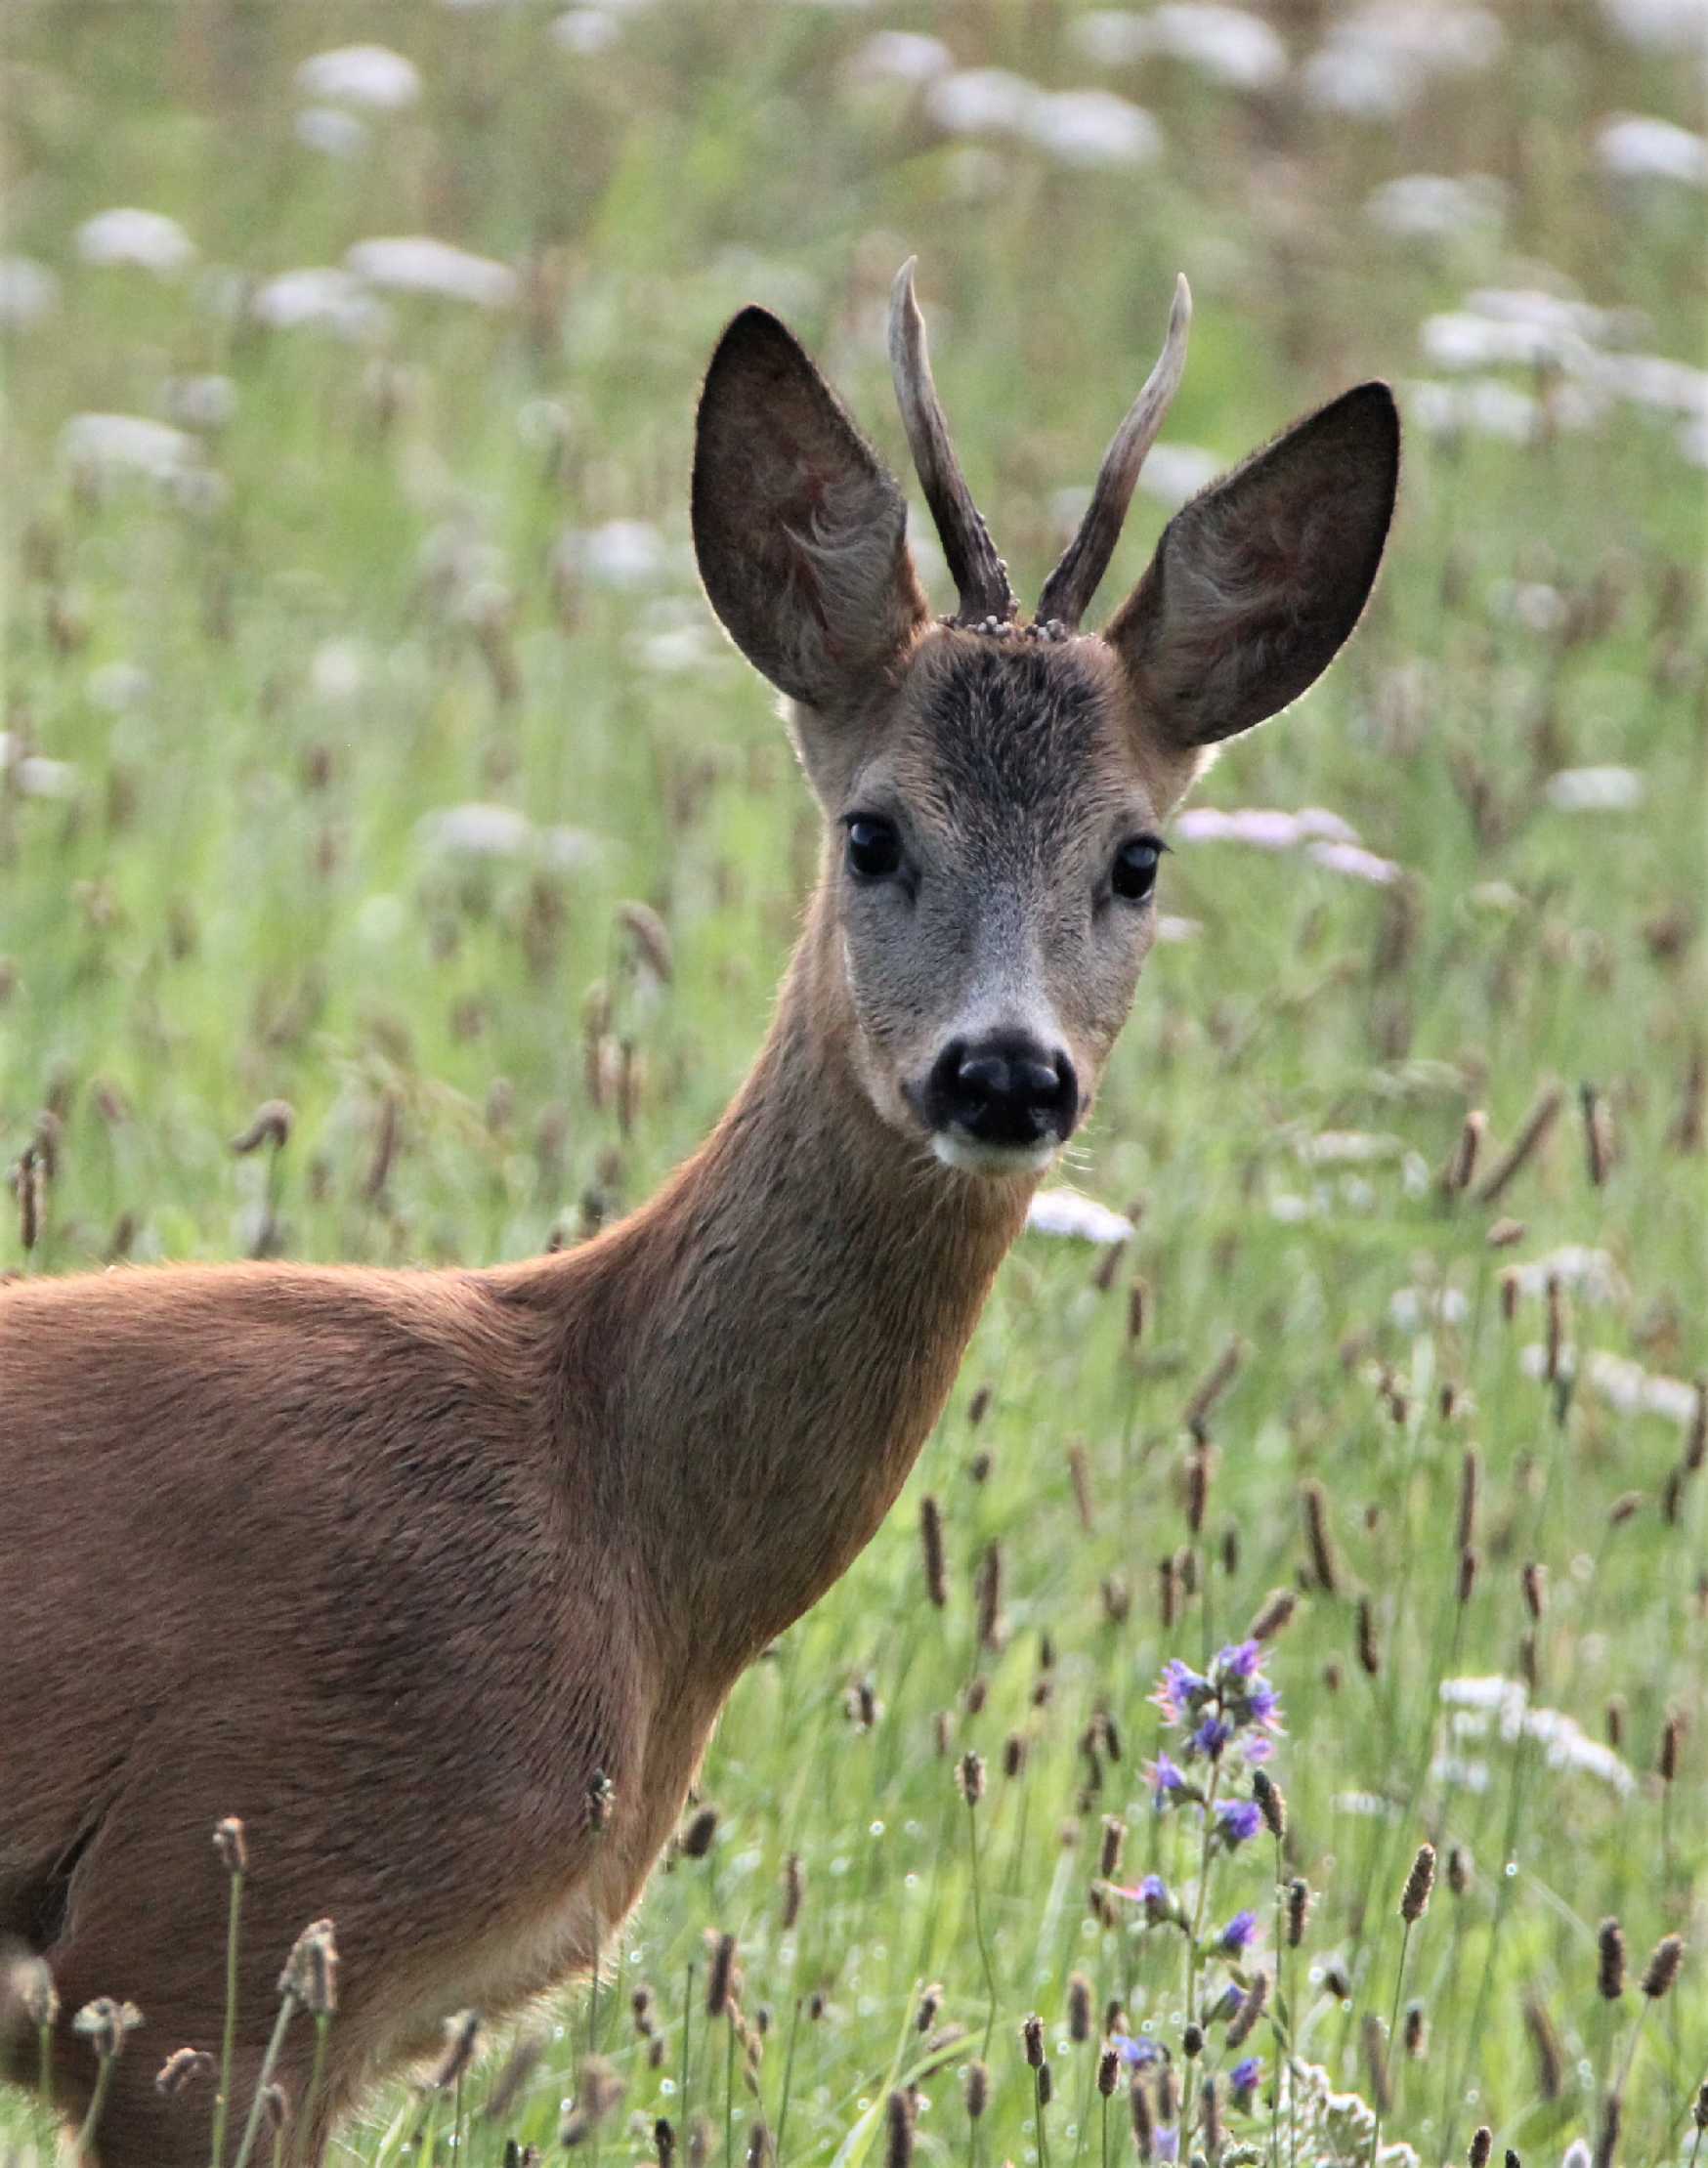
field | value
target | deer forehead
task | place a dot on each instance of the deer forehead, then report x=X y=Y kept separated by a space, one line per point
x=1000 y=743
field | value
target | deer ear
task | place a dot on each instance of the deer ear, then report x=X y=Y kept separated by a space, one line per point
x=799 y=532
x=1257 y=582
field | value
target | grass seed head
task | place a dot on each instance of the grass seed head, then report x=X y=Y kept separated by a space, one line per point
x=931 y=1543
x=232 y=1845
x=1253 y=2003
x=1274 y=1615
x=721 y=1976
x=898 y=2117
x=1545 y=2049
x=697 y=1836
x=1481 y=2150
x=1032 y=2040
x=1662 y=1968
x=1610 y=1960
x=1417 y=2031
x=1607 y=2131
x=1108 y=2071
x=1271 y=1801
x=1144 y=2129
x=1414 y=1899
x=1078 y=2006
x=793 y=1889
x=182 y=2069
x=1298 y=1910
x=979 y=2088
x=1324 y=1567
x=969 y=1776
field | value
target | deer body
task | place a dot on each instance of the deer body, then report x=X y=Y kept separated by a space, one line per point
x=440 y=1580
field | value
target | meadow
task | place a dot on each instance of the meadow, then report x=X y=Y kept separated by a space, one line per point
x=369 y=747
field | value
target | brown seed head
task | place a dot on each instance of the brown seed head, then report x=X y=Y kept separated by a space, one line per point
x=1325 y=1571
x=1662 y=1968
x=104 y=2023
x=1468 y=1565
x=182 y=2069
x=721 y=1974
x=461 y=2032
x=697 y=1836
x=930 y=2003
x=232 y=1845
x=1535 y=1583
x=1272 y=1803
x=931 y=1541
x=1469 y=1490
x=1251 y=2007
x=1078 y=2006
x=1417 y=2031
x=1114 y=1836
x=1144 y=2129
x=1671 y=1736
x=969 y=1775
x=1414 y=1899
x=1273 y=1616
x=1610 y=1960
x=271 y=1125
x=979 y=2088
x=793 y=1889
x=1481 y=2146
x=1607 y=2130
x=1031 y=2039
x=898 y=2115
x=1545 y=2048
x=1369 y=1654
x=1298 y=1910
x=311 y=1971
x=1108 y=2072
x=989 y=1591
x=1459 y=1870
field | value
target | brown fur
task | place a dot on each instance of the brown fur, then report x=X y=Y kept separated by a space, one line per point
x=397 y=1567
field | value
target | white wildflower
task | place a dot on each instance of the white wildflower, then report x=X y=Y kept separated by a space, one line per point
x=1354 y=862
x=981 y=100
x=332 y=132
x=1607 y=789
x=1092 y=128
x=101 y=445
x=416 y=263
x=622 y=553
x=1636 y=147
x=370 y=75
x=901 y=57
x=204 y=403
x=147 y=240
x=28 y=292
x=1434 y=206
x=1063 y=1211
x=1228 y=44
x=320 y=297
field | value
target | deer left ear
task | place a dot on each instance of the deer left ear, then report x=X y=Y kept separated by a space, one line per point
x=1257 y=583
x=799 y=532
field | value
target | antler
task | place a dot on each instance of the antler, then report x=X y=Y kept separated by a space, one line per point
x=1084 y=561
x=981 y=578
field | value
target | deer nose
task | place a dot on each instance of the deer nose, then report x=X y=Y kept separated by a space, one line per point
x=1005 y=1089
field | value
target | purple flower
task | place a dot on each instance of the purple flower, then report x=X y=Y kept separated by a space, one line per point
x=1240 y=1932
x=1165 y=1776
x=1211 y=1736
x=1238 y=1821
x=1258 y=1750
x=1140 y=2054
x=1240 y=1660
x=1226 y=2006
x=1263 y=1705
x=1168 y=2144
x=1179 y=1690
x=1244 y=2080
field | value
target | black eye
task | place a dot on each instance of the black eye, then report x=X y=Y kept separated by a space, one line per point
x=1135 y=872
x=875 y=848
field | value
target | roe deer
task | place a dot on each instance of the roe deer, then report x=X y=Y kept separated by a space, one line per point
x=440 y=1578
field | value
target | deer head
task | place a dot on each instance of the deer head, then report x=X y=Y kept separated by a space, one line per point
x=995 y=792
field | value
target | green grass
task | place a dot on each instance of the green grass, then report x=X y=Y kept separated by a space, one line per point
x=234 y=903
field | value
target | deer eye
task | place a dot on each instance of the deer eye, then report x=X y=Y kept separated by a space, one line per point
x=1135 y=872
x=875 y=847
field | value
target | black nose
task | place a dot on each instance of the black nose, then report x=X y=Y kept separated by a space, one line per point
x=1006 y=1089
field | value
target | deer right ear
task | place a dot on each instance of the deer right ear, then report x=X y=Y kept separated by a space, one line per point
x=1257 y=582
x=799 y=532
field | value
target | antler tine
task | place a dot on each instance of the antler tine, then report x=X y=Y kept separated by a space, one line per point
x=981 y=578
x=1070 y=587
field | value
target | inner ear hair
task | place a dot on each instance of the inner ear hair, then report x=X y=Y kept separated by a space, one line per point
x=1257 y=583
x=800 y=532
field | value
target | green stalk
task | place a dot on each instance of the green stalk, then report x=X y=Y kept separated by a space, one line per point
x=978 y=1922
x=269 y=2062
x=229 y=2041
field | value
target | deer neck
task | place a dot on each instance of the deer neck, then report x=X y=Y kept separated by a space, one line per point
x=788 y=1317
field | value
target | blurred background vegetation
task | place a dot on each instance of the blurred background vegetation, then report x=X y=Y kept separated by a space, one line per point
x=356 y=675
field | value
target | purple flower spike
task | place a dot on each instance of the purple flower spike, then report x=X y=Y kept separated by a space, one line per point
x=1179 y=1690
x=1164 y=1776
x=1240 y=1932
x=1244 y=2080
x=1138 y=2054
x=1211 y=1736
x=1238 y=1821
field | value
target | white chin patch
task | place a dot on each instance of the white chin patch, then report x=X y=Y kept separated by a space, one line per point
x=973 y=1157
